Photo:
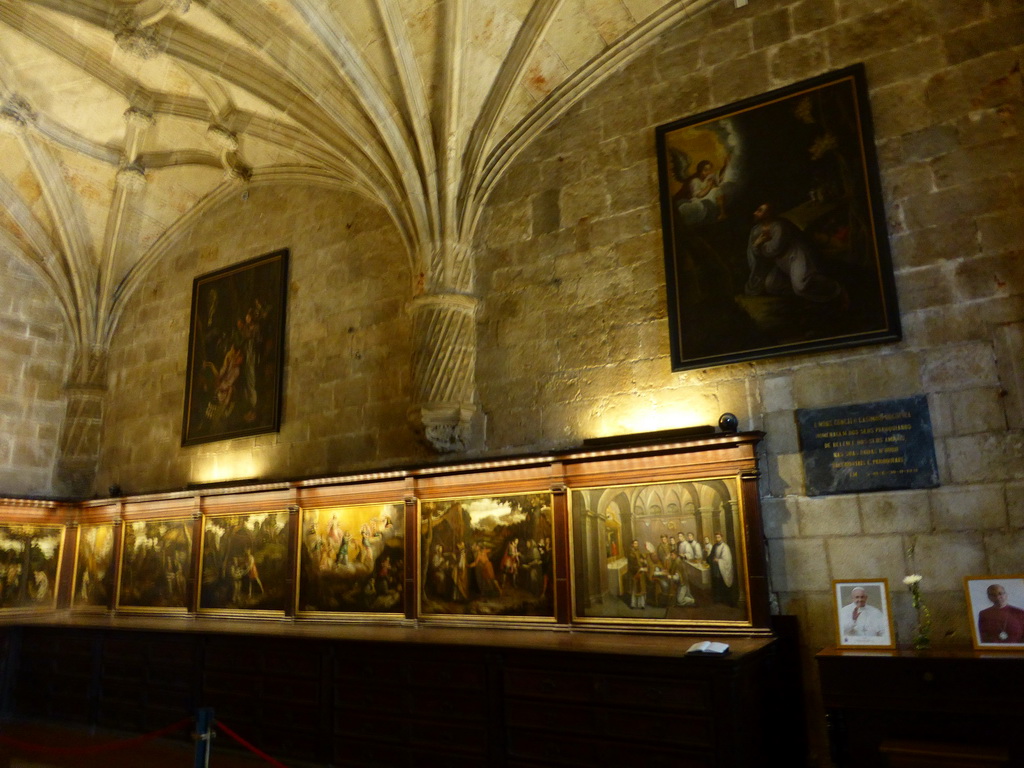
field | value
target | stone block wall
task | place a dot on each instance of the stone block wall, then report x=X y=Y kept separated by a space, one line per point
x=347 y=349
x=574 y=338
x=34 y=355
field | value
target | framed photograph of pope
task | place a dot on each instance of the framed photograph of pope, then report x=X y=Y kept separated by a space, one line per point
x=863 y=614
x=996 y=612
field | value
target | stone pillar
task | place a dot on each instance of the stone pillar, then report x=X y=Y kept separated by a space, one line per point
x=80 y=439
x=444 y=369
x=79 y=444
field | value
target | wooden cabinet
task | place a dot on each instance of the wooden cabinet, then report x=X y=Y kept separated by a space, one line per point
x=906 y=709
x=401 y=696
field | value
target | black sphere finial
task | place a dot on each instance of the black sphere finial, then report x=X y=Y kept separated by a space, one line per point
x=728 y=423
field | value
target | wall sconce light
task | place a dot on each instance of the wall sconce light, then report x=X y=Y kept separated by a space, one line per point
x=649 y=438
x=728 y=423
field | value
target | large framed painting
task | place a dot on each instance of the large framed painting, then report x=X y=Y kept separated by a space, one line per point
x=29 y=563
x=236 y=351
x=245 y=563
x=156 y=563
x=774 y=228
x=661 y=556
x=352 y=560
x=487 y=557
x=94 y=569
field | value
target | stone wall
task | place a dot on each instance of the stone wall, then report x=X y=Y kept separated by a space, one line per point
x=33 y=358
x=346 y=379
x=574 y=339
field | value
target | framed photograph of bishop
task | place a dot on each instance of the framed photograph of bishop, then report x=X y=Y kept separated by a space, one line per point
x=996 y=607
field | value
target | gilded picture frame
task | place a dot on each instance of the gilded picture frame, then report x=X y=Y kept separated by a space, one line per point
x=487 y=558
x=667 y=556
x=863 y=613
x=994 y=611
x=351 y=561
x=244 y=563
x=155 y=565
x=95 y=563
x=30 y=560
x=774 y=227
x=235 y=366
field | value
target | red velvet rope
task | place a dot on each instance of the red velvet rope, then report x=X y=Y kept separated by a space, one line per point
x=250 y=747
x=96 y=748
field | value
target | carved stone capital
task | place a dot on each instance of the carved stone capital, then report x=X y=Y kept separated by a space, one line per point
x=136 y=116
x=16 y=114
x=133 y=37
x=237 y=173
x=448 y=428
x=131 y=177
x=222 y=138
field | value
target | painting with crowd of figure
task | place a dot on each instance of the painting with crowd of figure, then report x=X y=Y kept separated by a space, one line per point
x=94 y=569
x=245 y=562
x=29 y=564
x=487 y=557
x=156 y=561
x=352 y=560
x=774 y=228
x=236 y=351
x=664 y=554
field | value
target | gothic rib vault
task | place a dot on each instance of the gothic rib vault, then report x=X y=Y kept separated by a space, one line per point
x=123 y=120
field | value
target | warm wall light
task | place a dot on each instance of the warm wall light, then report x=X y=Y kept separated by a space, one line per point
x=226 y=468
x=636 y=413
x=649 y=438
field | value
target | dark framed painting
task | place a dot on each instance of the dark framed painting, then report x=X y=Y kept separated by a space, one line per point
x=236 y=351
x=352 y=560
x=487 y=557
x=30 y=556
x=661 y=556
x=774 y=227
x=245 y=563
x=156 y=563
x=94 y=569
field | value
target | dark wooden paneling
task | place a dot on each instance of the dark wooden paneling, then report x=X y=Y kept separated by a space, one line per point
x=358 y=703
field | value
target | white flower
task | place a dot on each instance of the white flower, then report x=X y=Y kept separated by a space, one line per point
x=912 y=579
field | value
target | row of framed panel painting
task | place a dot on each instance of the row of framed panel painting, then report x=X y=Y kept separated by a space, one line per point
x=679 y=550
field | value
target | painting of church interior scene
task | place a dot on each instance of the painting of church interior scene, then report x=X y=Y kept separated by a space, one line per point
x=94 y=572
x=156 y=560
x=29 y=561
x=667 y=552
x=488 y=556
x=352 y=559
x=245 y=562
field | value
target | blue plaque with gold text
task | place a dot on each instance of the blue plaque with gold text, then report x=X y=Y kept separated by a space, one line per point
x=879 y=446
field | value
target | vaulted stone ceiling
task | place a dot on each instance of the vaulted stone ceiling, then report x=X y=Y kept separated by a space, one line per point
x=125 y=119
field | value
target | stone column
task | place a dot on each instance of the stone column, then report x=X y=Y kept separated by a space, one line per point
x=444 y=369
x=79 y=444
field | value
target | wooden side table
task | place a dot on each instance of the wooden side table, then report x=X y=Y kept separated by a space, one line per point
x=909 y=709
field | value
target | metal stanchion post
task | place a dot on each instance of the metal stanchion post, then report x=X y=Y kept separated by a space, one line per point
x=203 y=736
